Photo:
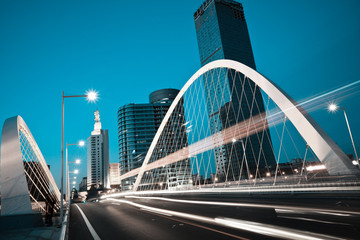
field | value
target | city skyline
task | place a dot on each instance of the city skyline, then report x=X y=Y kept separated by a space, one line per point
x=43 y=63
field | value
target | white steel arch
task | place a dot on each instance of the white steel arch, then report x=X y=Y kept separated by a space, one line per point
x=15 y=195
x=336 y=162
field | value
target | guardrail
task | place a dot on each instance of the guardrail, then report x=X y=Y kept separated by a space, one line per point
x=65 y=224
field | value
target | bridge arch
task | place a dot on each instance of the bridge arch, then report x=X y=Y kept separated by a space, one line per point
x=22 y=166
x=334 y=159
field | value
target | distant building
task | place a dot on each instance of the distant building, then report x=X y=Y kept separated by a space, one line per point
x=98 y=156
x=137 y=126
x=222 y=33
x=114 y=175
x=83 y=185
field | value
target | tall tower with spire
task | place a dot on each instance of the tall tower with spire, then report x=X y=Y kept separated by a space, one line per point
x=98 y=156
x=97 y=125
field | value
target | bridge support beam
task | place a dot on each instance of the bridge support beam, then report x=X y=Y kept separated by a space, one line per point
x=15 y=198
x=334 y=159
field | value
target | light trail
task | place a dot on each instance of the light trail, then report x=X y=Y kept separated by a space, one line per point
x=336 y=187
x=329 y=94
x=241 y=130
x=271 y=230
x=314 y=101
x=255 y=227
x=278 y=208
x=314 y=220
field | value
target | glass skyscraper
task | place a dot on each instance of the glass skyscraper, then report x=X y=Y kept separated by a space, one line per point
x=222 y=34
x=137 y=126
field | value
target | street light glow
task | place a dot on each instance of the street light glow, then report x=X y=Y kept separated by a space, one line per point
x=77 y=161
x=92 y=95
x=74 y=182
x=332 y=107
x=81 y=143
x=315 y=168
x=76 y=171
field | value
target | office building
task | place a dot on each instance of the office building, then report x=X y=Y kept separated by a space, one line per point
x=222 y=34
x=98 y=157
x=114 y=175
x=137 y=126
x=83 y=185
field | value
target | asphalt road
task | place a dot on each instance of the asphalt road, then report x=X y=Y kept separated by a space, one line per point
x=230 y=218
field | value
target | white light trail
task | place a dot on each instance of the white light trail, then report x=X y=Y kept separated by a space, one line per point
x=313 y=220
x=315 y=168
x=256 y=227
x=278 y=208
x=241 y=130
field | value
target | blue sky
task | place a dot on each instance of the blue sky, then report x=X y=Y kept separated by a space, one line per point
x=127 y=49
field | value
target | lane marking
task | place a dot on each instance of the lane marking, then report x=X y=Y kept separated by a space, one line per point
x=91 y=229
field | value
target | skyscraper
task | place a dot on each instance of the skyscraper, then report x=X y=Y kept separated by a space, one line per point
x=137 y=126
x=222 y=34
x=98 y=156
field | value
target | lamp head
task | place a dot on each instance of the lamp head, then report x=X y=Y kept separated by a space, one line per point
x=76 y=171
x=92 y=95
x=77 y=161
x=81 y=143
x=332 y=107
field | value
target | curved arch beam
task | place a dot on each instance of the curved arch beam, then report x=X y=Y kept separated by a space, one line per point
x=15 y=198
x=334 y=159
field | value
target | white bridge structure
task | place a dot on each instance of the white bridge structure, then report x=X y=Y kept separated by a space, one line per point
x=183 y=162
x=27 y=185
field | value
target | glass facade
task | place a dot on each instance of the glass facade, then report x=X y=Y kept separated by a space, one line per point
x=137 y=126
x=222 y=34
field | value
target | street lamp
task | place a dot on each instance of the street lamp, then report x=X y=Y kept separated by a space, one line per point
x=91 y=96
x=77 y=161
x=332 y=108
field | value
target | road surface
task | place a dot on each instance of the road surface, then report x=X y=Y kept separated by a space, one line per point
x=215 y=218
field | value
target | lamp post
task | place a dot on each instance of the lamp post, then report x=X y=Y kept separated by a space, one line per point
x=91 y=96
x=68 y=181
x=77 y=161
x=81 y=144
x=333 y=108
